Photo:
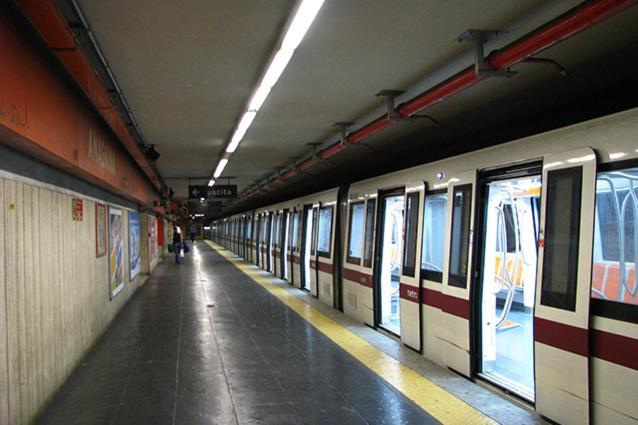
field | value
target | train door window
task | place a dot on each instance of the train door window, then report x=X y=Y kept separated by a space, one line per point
x=368 y=243
x=460 y=239
x=391 y=247
x=355 y=236
x=411 y=230
x=295 y=232
x=614 y=287
x=562 y=236
x=313 y=246
x=509 y=228
x=324 y=232
x=306 y=249
x=433 y=238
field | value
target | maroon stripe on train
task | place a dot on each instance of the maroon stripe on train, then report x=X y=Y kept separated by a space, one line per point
x=561 y=336
x=358 y=277
x=295 y=259
x=615 y=348
x=447 y=303
x=325 y=267
x=408 y=292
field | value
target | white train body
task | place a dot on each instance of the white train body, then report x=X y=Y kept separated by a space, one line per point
x=515 y=234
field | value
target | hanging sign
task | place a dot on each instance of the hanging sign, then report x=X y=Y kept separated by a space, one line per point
x=218 y=191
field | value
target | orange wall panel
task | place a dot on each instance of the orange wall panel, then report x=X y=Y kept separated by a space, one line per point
x=41 y=115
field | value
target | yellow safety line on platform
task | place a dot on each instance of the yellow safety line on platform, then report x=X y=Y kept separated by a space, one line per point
x=437 y=402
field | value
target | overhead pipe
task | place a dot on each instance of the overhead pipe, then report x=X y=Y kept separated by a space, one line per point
x=577 y=20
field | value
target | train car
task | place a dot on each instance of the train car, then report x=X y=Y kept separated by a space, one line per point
x=514 y=265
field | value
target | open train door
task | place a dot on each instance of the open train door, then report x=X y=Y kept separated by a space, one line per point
x=561 y=322
x=455 y=296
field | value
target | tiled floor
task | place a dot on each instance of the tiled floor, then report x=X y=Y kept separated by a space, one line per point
x=201 y=343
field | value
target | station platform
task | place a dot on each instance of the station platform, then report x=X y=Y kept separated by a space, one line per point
x=215 y=340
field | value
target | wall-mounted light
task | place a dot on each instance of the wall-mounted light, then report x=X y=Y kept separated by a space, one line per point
x=211 y=182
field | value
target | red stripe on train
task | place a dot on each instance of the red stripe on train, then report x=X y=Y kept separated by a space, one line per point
x=615 y=348
x=325 y=267
x=358 y=277
x=447 y=303
x=559 y=335
x=408 y=292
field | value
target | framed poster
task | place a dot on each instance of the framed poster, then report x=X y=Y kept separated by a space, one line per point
x=135 y=262
x=116 y=252
x=100 y=230
x=152 y=238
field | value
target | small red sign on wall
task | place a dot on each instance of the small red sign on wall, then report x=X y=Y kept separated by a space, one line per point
x=78 y=209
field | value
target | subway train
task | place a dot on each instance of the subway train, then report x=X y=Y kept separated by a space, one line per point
x=513 y=265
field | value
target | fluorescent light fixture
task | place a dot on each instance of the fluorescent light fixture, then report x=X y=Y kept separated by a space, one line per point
x=259 y=97
x=220 y=167
x=276 y=67
x=300 y=23
x=296 y=31
x=211 y=182
x=242 y=127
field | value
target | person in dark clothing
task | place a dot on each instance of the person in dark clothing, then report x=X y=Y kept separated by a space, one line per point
x=193 y=233
x=177 y=243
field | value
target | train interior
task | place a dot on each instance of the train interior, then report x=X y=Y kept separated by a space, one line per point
x=511 y=224
x=390 y=262
x=616 y=241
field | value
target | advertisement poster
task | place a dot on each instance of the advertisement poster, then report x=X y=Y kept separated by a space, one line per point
x=116 y=252
x=152 y=238
x=100 y=230
x=135 y=261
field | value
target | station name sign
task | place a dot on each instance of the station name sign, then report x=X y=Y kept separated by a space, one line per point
x=217 y=191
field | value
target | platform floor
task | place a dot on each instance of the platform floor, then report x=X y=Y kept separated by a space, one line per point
x=205 y=343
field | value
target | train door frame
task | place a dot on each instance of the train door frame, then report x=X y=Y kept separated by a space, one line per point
x=257 y=240
x=562 y=318
x=269 y=225
x=305 y=212
x=314 y=255
x=283 y=246
x=484 y=178
x=378 y=243
x=455 y=299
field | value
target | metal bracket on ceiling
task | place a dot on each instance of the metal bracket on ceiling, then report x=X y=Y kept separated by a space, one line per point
x=481 y=65
x=315 y=154
x=546 y=61
x=343 y=137
x=394 y=116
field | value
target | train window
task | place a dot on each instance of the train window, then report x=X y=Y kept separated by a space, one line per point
x=295 y=229
x=275 y=236
x=460 y=240
x=411 y=230
x=313 y=246
x=325 y=231
x=562 y=235
x=614 y=277
x=249 y=230
x=433 y=239
x=355 y=237
x=369 y=235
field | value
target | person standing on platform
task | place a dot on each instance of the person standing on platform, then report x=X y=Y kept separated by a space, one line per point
x=177 y=243
x=193 y=233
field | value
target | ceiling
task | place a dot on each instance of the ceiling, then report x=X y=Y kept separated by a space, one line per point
x=187 y=70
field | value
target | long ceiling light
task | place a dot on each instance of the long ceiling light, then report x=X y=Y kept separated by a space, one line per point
x=296 y=31
x=220 y=167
